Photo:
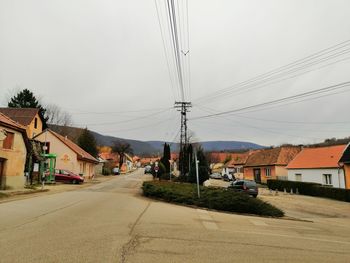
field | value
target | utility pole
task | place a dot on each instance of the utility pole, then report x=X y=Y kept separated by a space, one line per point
x=183 y=107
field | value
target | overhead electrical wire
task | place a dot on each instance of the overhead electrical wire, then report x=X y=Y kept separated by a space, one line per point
x=293 y=97
x=295 y=66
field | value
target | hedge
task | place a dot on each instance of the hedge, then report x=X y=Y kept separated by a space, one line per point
x=218 y=199
x=312 y=189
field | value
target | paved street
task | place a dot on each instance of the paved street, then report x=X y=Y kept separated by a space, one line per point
x=112 y=222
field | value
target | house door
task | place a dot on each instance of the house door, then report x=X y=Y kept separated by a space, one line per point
x=257 y=175
x=2 y=162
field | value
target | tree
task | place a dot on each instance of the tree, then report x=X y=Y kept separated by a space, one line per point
x=203 y=168
x=165 y=160
x=57 y=116
x=88 y=142
x=26 y=99
x=121 y=148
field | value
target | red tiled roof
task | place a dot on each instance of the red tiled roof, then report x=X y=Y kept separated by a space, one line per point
x=23 y=116
x=238 y=159
x=218 y=157
x=82 y=155
x=322 y=157
x=274 y=156
x=6 y=120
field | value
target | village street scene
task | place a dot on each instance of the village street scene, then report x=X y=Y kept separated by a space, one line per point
x=174 y=131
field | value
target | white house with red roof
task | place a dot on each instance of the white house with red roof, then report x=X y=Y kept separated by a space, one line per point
x=69 y=155
x=318 y=165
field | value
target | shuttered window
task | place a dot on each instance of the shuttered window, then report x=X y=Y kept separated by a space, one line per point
x=8 y=142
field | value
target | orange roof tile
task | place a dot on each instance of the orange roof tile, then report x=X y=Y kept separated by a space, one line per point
x=22 y=115
x=322 y=157
x=7 y=120
x=275 y=156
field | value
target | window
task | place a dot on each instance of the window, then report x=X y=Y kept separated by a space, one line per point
x=268 y=172
x=35 y=123
x=298 y=177
x=8 y=142
x=327 y=179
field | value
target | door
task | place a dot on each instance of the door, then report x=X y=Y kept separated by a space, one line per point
x=2 y=161
x=257 y=175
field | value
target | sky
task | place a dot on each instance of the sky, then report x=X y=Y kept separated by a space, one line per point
x=105 y=63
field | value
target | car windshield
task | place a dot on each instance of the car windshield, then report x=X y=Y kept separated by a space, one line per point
x=250 y=184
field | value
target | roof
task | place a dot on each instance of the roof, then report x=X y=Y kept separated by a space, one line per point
x=82 y=154
x=238 y=159
x=321 y=157
x=23 y=116
x=275 y=156
x=9 y=122
x=218 y=157
x=345 y=158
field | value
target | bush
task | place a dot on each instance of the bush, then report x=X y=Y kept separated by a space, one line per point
x=219 y=199
x=312 y=189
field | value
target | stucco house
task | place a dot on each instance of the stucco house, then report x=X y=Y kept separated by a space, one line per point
x=345 y=163
x=13 y=151
x=318 y=165
x=30 y=118
x=269 y=163
x=69 y=155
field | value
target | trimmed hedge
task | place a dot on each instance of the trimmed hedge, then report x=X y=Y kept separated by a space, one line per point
x=312 y=189
x=218 y=199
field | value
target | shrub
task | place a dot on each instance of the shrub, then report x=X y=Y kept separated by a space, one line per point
x=219 y=199
x=312 y=189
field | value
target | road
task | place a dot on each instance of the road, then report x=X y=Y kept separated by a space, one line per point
x=112 y=222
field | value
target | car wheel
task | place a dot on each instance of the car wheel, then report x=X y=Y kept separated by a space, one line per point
x=74 y=181
x=255 y=196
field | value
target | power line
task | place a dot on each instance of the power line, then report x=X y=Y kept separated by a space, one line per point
x=281 y=71
x=301 y=95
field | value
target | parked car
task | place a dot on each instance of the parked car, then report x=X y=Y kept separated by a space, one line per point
x=215 y=176
x=244 y=186
x=148 y=169
x=67 y=177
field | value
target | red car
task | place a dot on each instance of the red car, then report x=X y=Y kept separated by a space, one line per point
x=67 y=176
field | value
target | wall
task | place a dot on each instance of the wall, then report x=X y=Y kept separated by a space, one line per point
x=31 y=129
x=249 y=173
x=347 y=173
x=66 y=158
x=13 y=170
x=316 y=176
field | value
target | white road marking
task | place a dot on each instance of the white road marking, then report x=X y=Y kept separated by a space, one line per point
x=257 y=222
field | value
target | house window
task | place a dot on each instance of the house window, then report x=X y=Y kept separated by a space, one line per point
x=35 y=123
x=268 y=172
x=298 y=177
x=8 y=142
x=327 y=179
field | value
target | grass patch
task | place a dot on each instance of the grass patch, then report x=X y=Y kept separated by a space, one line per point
x=218 y=199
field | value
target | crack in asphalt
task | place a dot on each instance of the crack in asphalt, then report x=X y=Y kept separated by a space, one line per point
x=39 y=216
x=131 y=245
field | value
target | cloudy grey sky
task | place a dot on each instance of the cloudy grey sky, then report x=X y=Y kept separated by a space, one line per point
x=103 y=61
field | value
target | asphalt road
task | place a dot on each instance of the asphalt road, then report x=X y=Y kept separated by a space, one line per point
x=112 y=222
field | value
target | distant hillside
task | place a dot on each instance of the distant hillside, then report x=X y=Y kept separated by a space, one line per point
x=213 y=145
x=152 y=147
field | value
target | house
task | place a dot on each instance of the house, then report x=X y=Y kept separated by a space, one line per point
x=236 y=164
x=31 y=118
x=13 y=151
x=69 y=155
x=269 y=163
x=345 y=163
x=318 y=165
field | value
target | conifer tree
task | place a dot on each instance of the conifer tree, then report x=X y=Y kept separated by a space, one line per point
x=88 y=142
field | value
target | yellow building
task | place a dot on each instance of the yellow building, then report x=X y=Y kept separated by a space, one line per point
x=69 y=155
x=28 y=117
x=13 y=152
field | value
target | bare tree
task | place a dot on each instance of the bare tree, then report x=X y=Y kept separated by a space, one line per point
x=121 y=148
x=57 y=116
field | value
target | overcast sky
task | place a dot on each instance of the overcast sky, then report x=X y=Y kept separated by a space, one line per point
x=103 y=61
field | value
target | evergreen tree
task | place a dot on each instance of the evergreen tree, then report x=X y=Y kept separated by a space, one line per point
x=166 y=157
x=88 y=142
x=203 y=168
x=26 y=99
